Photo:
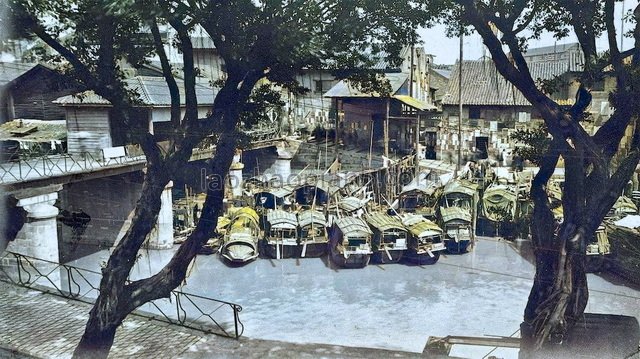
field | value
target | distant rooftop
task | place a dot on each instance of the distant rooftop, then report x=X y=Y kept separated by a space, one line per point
x=345 y=89
x=10 y=71
x=553 y=49
x=153 y=91
x=482 y=84
x=444 y=72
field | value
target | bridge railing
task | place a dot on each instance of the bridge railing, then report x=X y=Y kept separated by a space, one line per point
x=46 y=165
x=51 y=164
x=181 y=308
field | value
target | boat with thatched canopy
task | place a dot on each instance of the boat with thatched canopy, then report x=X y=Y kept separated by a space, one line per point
x=421 y=198
x=458 y=214
x=240 y=244
x=425 y=240
x=281 y=234
x=350 y=242
x=389 y=240
x=312 y=233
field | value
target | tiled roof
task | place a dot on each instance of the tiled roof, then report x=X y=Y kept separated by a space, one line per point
x=153 y=91
x=346 y=89
x=482 y=84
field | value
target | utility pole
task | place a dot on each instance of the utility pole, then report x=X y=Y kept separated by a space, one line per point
x=622 y=28
x=458 y=163
x=417 y=129
x=411 y=72
x=385 y=129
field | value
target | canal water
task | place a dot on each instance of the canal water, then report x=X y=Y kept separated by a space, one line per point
x=395 y=306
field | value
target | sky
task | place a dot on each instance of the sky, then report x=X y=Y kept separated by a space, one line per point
x=446 y=50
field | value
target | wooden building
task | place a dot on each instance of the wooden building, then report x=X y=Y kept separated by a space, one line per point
x=27 y=91
x=89 y=128
x=366 y=119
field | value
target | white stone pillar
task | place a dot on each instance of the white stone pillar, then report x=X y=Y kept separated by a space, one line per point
x=282 y=166
x=39 y=235
x=161 y=236
x=235 y=175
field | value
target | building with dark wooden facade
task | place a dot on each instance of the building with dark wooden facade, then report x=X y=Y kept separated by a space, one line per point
x=27 y=91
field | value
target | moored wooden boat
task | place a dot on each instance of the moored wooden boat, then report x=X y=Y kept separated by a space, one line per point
x=458 y=215
x=281 y=234
x=499 y=202
x=350 y=242
x=389 y=240
x=421 y=199
x=240 y=244
x=624 y=237
x=312 y=234
x=425 y=240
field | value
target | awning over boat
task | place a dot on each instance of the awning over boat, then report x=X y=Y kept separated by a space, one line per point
x=420 y=226
x=243 y=217
x=281 y=219
x=630 y=221
x=353 y=227
x=428 y=188
x=499 y=200
x=317 y=190
x=461 y=186
x=308 y=217
x=351 y=204
x=383 y=222
x=455 y=213
x=272 y=197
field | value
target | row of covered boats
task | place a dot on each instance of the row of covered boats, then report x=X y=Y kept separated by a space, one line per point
x=349 y=226
x=350 y=241
x=429 y=216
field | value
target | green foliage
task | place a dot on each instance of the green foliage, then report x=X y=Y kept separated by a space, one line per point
x=259 y=110
x=536 y=142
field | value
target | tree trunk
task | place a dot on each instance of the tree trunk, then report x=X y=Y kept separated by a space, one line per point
x=558 y=296
x=557 y=300
x=112 y=304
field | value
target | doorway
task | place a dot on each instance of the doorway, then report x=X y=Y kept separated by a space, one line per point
x=482 y=147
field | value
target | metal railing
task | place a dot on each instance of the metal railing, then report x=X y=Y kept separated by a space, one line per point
x=184 y=309
x=52 y=165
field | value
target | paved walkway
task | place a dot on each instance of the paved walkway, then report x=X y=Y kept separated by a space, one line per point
x=35 y=324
